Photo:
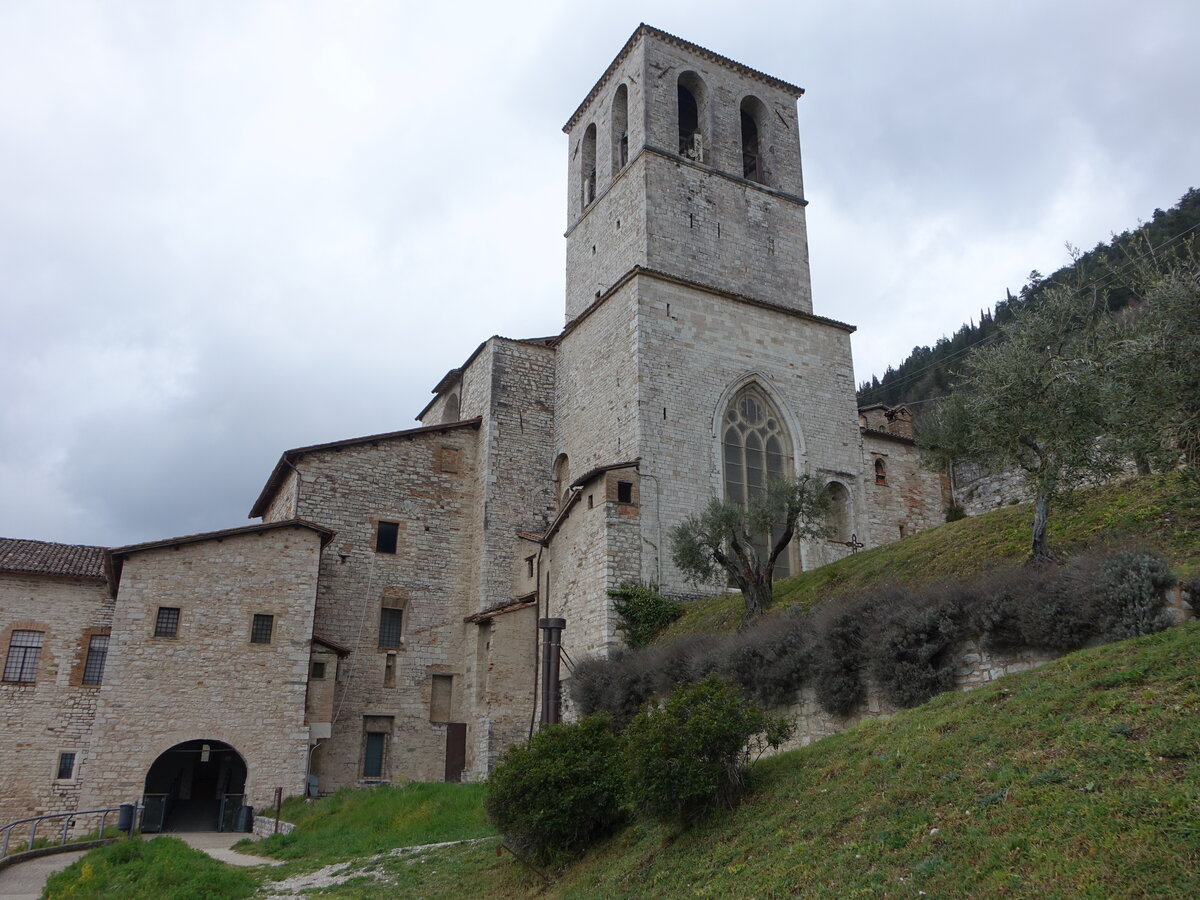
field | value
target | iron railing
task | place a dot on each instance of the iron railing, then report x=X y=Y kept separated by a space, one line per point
x=68 y=820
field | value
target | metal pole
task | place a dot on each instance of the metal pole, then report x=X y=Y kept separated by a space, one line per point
x=551 y=650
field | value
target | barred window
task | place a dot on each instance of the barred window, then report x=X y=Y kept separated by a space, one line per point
x=261 y=628
x=24 y=651
x=167 y=623
x=318 y=671
x=97 y=654
x=390 y=622
x=66 y=766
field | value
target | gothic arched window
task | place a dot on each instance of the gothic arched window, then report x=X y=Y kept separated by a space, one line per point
x=755 y=448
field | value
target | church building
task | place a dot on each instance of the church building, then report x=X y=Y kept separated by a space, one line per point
x=380 y=621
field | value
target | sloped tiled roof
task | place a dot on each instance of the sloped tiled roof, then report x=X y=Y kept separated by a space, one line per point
x=46 y=558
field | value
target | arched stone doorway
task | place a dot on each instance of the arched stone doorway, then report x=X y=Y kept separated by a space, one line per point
x=195 y=786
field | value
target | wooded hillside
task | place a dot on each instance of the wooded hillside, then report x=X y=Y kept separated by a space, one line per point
x=930 y=372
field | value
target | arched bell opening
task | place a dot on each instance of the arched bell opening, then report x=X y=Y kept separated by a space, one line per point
x=198 y=785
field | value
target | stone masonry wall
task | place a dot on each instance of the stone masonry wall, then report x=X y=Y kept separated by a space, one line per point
x=54 y=714
x=596 y=547
x=283 y=504
x=427 y=484
x=977 y=666
x=696 y=350
x=910 y=499
x=210 y=681
x=720 y=113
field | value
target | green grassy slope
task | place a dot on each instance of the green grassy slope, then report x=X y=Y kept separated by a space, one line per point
x=1161 y=512
x=1081 y=779
x=361 y=823
x=161 y=869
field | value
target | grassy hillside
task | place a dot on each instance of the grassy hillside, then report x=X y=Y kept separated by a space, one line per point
x=1161 y=512
x=1080 y=779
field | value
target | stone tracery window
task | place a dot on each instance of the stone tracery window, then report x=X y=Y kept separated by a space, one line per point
x=755 y=448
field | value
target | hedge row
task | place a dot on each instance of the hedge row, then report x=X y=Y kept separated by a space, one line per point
x=906 y=641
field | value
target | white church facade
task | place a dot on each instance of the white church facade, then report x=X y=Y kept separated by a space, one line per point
x=380 y=621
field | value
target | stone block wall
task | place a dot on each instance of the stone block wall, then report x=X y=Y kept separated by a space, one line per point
x=598 y=111
x=696 y=350
x=732 y=234
x=209 y=681
x=596 y=390
x=909 y=499
x=596 y=547
x=54 y=713
x=427 y=484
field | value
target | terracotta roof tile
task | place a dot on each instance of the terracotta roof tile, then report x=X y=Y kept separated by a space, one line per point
x=46 y=558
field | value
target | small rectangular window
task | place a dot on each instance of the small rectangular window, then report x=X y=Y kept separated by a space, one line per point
x=66 y=766
x=624 y=491
x=166 y=625
x=318 y=671
x=261 y=628
x=390 y=622
x=529 y=567
x=93 y=668
x=373 y=755
x=24 y=651
x=385 y=537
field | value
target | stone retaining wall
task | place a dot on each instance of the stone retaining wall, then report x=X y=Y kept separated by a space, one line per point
x=264 y=826
x=977 y=666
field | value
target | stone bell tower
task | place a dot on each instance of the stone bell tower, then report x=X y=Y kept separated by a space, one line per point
x=687 y=163
x=687 y=293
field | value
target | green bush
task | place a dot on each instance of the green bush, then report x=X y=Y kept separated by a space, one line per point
x=954 y=512
x=911 y=649
x=1131 y=593
x=690 y=754
x=837 y=670
x=644 y=613
x=557 y=795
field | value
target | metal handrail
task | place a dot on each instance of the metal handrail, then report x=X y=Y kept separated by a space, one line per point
x=66 y=826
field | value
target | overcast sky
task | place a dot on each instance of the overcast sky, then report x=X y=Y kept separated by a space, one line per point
x=231 y=228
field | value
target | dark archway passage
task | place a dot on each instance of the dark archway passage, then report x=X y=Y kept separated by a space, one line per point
x=195 y=786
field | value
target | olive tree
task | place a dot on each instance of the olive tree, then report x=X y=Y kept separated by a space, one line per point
x=1035 y=401
x=743 y=541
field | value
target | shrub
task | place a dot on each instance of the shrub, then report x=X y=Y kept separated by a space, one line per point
x=771 y=660
x=618 y=687
x=1131 y=593
x=992 y=614
x=1056 y=615
x=555 y=796
x=644 y=613
x=954 y=512
x=910 y=646
x=690 y=754
x=838 y=663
